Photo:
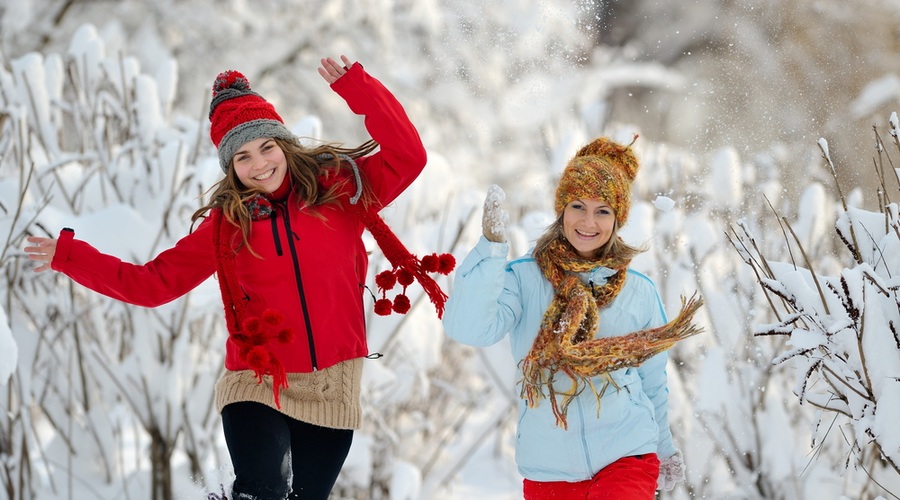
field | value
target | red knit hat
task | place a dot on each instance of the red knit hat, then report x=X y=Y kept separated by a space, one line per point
x=602 y=170
x=238 y=115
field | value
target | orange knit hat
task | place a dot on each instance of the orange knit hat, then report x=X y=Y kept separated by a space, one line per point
x=602 y=170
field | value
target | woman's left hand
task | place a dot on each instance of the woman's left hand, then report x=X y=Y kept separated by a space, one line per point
x=331 y=70
x=671 y=471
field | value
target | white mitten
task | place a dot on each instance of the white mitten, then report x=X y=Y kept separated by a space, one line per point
x=495 y=218
x=671 y=471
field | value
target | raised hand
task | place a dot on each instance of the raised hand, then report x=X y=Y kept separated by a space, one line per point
x=331 y=70
x=494 y=219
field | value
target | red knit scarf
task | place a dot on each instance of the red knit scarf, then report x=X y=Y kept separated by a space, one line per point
x=250 y=334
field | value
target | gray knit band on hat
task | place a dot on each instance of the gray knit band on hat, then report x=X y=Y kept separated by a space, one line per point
x=246 y=132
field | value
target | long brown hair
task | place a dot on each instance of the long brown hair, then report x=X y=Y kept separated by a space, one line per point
x=306 y=167
x=615 y=248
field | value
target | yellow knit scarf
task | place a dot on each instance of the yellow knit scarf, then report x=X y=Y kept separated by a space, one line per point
x=565 y=342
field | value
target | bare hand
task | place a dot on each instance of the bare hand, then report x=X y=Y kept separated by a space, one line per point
x=43 y=251
x=331 y=70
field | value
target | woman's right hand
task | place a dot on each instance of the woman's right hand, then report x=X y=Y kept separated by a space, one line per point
x=494 y=219
x=43 y=250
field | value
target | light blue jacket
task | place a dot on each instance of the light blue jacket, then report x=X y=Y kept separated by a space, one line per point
x=492 y=297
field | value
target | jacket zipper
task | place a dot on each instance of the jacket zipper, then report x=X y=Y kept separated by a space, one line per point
x=584 y=442
x=298 y=279
x=277 y=238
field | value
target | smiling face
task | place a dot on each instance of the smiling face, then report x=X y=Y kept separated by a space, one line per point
x=260 y=163
x=588 y=225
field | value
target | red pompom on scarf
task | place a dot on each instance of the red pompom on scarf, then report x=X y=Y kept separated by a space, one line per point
x=407 y=268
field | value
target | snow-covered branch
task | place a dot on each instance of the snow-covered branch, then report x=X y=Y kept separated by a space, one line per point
x=844 y=335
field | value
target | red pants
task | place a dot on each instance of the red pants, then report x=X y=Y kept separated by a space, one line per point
x=629 y=478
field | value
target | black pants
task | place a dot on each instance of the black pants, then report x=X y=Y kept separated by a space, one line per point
x=274 y=455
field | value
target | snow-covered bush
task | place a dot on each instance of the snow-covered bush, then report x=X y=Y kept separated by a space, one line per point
x=507 y=100
x=841 y=329
x=724 y=394
x=109 y=400
x=101 y=391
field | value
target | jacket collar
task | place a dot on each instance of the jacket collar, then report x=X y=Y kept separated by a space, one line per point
x=600 y=275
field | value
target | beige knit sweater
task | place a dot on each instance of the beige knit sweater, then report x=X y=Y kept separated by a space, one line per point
x=327 y=398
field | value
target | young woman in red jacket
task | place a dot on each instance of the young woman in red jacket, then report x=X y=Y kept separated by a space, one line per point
x=283 y=232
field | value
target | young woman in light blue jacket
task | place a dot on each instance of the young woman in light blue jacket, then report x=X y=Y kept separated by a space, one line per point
x=588 y=335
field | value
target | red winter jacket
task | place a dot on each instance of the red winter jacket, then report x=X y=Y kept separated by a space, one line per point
x=311 y=269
